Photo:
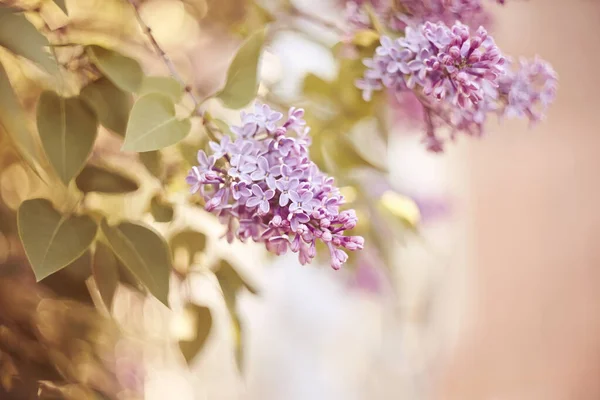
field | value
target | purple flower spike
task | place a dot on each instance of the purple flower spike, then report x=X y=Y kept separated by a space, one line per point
x=458 y=75
x=267 y=189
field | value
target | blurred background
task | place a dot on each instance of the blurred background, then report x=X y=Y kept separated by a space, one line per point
x=498 y=296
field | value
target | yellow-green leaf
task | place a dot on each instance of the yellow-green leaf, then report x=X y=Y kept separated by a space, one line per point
x=51 y=240
x=20 y=37
x=153 y=124
x=68 y=129
x=70 y=281
x=231 y=281
x=12 y=119
x=162 y=84
x=238 y=338
x=123 y=71
x=315 y=86
x=192 y=241
x=365 y=38
x=145 y=254
x=62 y=4
x=152 y=160
x=200 y=318
x=106 y=272
x=222 y=125
x=161 y=210
x=96 y=179
x=401 y=207
x=242 y=76
x=111 y=104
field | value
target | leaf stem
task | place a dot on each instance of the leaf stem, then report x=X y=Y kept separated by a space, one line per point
x=165 y=58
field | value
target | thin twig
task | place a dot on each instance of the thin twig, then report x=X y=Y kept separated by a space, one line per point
x=165 y=57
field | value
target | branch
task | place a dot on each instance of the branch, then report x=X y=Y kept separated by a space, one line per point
x=166 y=59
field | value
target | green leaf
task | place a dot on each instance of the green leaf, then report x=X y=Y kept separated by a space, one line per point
x=51 y=240
x=201 y=318
x=161 y=210
x=68 y=129
x=152 y=160
x=153 y=124
x=111 y=104
x=315 y=86
x=12 y=119
x=231 y=281
x=96 y=179
x=70 y=281
x=62 y=4
x=162 y=84
x=106 y=272
x=123 y=71
x=222 y=125
x=242 y=76
x=145 y=254
x=20 y=37
x=192 y=241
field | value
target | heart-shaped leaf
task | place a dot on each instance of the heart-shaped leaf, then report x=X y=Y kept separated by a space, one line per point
x=152 y=160
x=106 y=272
x=123 y=71
x=162 y=84
x=11 y=119
x=20 y=37
x=153 y=124
x=111 y=104
x=242 y=76
x=96 y=179
x=144 y=253
x=200 y=318
x=70 y=281
x=51 y=240
x=68 y=130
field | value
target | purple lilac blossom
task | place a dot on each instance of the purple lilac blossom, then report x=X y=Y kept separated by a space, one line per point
x=459 y=77
x=262 y=185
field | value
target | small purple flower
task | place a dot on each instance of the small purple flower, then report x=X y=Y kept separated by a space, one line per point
x=297 y=219
x=285 y=187
x=194 y=179
x=243 y=151
x=265 y=172
x=240 y=191
x=302 y=202
x=260 y=198
x=242 y=172
x=205 y=163
x=264 y=117
x=245 y=131
x=221 y=148
x=295 y=120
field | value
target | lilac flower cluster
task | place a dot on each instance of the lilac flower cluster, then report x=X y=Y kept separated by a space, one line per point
x=458 y=76
x=262 y=185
